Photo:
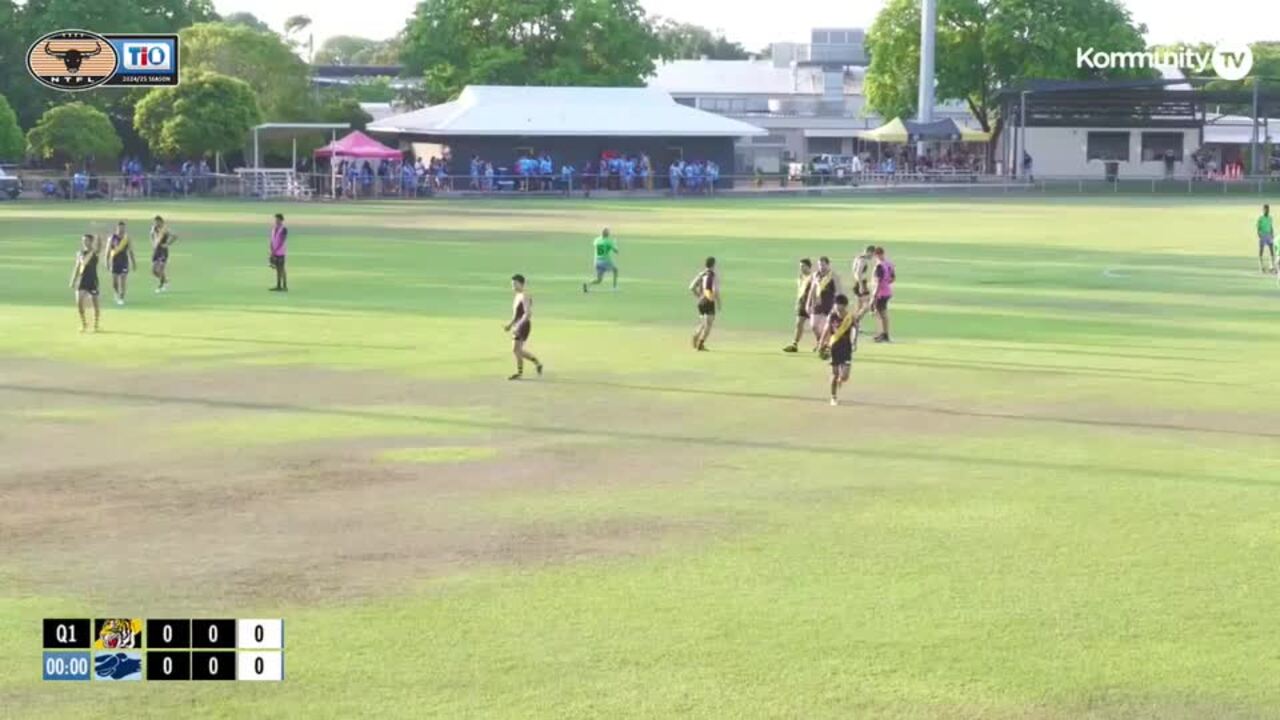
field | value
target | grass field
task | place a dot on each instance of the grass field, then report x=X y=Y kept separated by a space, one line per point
x=1057 y=495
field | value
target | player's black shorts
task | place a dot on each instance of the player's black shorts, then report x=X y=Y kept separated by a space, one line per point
x=89 y=287
x=160 y=255
x=802 y=312
x=706 y=307
x=277 y=262
x=882 y=303
x=522 y=332
x=861 y=290
x=841 y=354
x=823 y=310
x=120 y=265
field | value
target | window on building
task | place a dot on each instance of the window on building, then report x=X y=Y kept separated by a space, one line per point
x=820 y=37
x=1108 y=146
x=1156 y=145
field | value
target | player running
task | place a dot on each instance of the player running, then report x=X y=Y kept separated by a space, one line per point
x=862 y=280
x=121 y=259
x=605 y=249
x=803 y=283
x=839 y=341
x=84 y=279
x=885 y=275
x=520 y=326
x=706 y=288
x=161 y=241
x=822 y=296
x=1266 y=239
x=279 y=240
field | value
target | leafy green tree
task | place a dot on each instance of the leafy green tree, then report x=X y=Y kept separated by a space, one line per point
x=549 y=42
x=247 y=19
x=686 y=41
x=278 y=76
x=984 y=46
x=352 y=50
x=12 y=144
x=374 y=90
x=344 y=109
x=74 y=132
x=207 y=113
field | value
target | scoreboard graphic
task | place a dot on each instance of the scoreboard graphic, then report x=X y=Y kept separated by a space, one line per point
x=134 y=649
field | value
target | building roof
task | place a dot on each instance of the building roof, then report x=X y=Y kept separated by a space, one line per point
x=563 y=111
x=1238 y=130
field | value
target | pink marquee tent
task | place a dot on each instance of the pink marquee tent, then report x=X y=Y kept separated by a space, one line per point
x=358 y=145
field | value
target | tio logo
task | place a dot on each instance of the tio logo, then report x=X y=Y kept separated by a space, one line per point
x=1232 y=62
x=147 y=56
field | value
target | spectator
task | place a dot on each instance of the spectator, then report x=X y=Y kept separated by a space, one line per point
x=646 y=172
x=674 y=174
x=488 y=177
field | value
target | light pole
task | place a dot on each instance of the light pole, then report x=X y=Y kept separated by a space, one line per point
x=928 y=33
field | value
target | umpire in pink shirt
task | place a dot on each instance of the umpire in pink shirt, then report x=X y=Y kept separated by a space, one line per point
x=279 y=240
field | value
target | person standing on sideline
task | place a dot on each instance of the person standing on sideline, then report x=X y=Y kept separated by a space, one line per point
x=84 y=279
x=839 y=341
x=862 y=280
x=605 y=248
x=803 y=283
x=161 y=241
x=279 y=241
x=1266 y=239
x=885 y=275
x=706 y=288
x=521 y=326
x=120 y=255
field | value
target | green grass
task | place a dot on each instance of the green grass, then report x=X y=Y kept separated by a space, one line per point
x=1058 y=495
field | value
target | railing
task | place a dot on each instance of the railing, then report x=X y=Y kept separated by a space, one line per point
x=324 y=187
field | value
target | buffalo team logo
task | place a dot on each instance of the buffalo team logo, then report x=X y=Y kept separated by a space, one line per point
x=118 y=634
x=79 y=60
x=72 y=60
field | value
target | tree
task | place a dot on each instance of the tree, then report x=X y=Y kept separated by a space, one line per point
x=549 y=42
x=207 y=113
x=685 y=41
x=984 y=46
x=74 y=132
x=12 y=144
x=278 y=76
x=247 y=19
x=352 y=50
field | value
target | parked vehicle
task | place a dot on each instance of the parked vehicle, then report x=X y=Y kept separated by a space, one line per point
x=10 y=185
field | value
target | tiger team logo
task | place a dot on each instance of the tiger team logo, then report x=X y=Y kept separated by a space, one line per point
x=118 y=634
x=72 y=60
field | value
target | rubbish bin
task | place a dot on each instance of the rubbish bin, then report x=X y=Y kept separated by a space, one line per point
x=1112 y=169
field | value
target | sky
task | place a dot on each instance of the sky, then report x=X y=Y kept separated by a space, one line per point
x=1231 y=21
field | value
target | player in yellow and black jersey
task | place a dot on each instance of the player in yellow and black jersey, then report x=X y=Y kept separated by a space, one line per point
x=706 y=288
x=804 y=284
x=822 y=296
x=121 y=261
x=839 y=341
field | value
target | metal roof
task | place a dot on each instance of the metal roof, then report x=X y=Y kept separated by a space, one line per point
x=563 y=111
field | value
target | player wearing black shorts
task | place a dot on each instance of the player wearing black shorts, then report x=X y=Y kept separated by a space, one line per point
x=120 y=256
x=862 y=280
x=161 y=241
x=839 y=341
x=803 y=287
x=706 y=288
x=521 y=326
x=822 y=296
x=84 y=279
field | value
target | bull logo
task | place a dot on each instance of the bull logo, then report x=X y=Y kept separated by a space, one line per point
x=72 y=60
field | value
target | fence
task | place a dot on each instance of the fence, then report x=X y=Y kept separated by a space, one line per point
x=302 y=186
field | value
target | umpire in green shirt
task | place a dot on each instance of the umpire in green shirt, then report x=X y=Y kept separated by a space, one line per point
x=605 y=249
x=1266 y=239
